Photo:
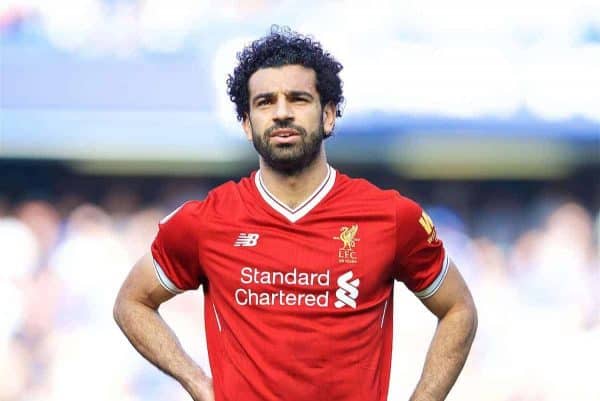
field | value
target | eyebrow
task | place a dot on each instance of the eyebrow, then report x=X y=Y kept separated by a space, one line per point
x=268 y=95
x=299 y=94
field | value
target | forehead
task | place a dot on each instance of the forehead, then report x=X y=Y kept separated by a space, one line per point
x=283 y=79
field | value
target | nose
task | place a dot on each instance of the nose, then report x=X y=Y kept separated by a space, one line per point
x=283 y=111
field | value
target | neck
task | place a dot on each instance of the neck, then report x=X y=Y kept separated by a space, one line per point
x=292 y=190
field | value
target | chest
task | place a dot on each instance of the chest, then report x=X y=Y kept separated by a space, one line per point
x=339 y=262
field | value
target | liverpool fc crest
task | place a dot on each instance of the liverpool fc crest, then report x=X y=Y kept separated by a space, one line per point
x=347 y=253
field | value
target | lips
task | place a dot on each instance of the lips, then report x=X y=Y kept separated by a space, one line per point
x=284 y=133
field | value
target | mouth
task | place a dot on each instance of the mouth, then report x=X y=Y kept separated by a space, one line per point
x=284 y=133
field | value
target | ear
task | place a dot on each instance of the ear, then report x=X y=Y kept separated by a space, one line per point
x=247 y=126
x=328 y=118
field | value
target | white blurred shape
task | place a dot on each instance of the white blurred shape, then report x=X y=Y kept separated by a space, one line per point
x=119 y=33
x=91 y=261
x=71 y=24
x=20 y=252
x=11 y=308
x=14 y=375
x=423 y=79
x=225 y=62
x=490 y=23
x=8 y=6
x=92 y=357
x=466 y=58
x=20 y=249
x=164 y=26
x=562 y=83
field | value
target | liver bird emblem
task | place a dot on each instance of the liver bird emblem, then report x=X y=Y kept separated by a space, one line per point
x=347 y=236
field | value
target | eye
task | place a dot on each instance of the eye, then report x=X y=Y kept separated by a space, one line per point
x=262 y=102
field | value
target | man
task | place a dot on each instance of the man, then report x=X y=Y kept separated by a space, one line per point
x=298 y=261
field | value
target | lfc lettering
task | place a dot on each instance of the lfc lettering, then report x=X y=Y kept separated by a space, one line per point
x=347 y=256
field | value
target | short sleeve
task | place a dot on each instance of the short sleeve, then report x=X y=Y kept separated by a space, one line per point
x=175 y=249
x=421 y=261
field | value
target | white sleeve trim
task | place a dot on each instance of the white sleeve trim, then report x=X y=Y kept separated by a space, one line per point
x=164 y=280
x=437 y=283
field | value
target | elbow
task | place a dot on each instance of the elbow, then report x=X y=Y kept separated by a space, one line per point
x=118 y=311
x=472 y=319
x=475 y=323
x=466 y=317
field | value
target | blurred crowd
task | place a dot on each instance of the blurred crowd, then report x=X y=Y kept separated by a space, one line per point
x=536 y=285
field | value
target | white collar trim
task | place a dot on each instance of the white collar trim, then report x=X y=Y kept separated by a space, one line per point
x=301 y=210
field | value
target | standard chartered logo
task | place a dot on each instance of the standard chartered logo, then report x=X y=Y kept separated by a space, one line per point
x=294 y=288
x=348 y=291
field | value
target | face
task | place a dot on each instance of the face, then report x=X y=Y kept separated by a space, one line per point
x=286 y=122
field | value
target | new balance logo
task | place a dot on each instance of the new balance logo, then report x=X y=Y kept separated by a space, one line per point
x=246 y=239
x=348 y=291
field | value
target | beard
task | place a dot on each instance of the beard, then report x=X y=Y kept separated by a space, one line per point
x=289 y=158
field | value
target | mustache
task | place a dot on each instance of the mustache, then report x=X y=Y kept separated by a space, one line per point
x=285 y=124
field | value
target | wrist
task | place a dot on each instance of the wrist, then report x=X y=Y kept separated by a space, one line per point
x=199 y=386
x=420 y=395
x=194 y=379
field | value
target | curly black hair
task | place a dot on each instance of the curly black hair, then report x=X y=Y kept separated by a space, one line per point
x=280 y=47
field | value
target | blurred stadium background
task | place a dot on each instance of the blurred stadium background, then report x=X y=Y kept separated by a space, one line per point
x=112 y=112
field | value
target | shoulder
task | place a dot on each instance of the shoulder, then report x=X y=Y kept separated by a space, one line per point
x=183 y=221
x=219 y=200
x=229 y=195
x=364 y=191
x=226 y=190
x=192 y=210
x=187 y=211
x=359 y=186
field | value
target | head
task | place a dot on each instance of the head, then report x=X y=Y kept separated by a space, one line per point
x=287 y=94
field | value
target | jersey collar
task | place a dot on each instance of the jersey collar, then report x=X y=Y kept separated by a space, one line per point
x=301 y=210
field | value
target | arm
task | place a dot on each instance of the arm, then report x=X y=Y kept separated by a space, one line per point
x=136 y=313
x=457 y=324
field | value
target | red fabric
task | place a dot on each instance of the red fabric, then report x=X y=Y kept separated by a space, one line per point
x=175 y=248
x=304 y=342
x=420 y=254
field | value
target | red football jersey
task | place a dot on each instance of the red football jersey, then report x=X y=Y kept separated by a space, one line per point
x=298 y=303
